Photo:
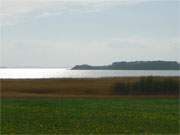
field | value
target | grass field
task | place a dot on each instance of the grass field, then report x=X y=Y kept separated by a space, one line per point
x=83 y=116
x=90 y=106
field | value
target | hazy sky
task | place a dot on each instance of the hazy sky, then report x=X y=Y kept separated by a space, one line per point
x=63 y=33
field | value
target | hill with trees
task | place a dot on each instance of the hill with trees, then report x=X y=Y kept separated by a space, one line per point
x=135 y=65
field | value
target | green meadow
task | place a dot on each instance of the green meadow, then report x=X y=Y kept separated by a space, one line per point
x=90 y=116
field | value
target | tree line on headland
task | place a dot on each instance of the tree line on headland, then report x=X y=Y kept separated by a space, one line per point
x=135 y=65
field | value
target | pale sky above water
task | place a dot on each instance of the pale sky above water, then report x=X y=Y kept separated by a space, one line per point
x=63 y=33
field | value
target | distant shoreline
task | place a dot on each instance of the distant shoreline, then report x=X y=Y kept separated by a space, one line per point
x=134 y=65
x=122 y=65
x=85 y=78
x=78 y=69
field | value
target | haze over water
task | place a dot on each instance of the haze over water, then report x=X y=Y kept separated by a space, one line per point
x=35 y=73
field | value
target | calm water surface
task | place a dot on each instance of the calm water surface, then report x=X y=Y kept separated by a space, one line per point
x=14 y=73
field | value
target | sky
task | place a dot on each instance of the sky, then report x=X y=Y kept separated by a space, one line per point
x=64 y=33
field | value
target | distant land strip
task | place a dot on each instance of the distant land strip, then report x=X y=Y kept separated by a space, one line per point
x=134 y=65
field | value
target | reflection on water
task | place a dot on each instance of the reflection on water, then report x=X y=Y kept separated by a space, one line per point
x=66 y=73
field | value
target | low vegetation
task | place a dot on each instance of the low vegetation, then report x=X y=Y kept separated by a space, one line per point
x=94 y=88
x=149 y=86
x=63 y=106
x=90 y=116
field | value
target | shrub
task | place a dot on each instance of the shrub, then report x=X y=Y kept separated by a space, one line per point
x=148 y=85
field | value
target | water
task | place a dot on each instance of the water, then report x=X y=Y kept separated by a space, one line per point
x=30 y=73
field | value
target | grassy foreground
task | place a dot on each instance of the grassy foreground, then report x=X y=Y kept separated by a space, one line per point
x=83 y=116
